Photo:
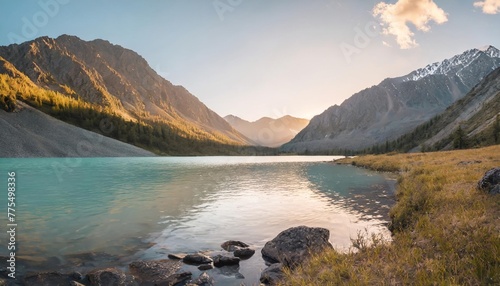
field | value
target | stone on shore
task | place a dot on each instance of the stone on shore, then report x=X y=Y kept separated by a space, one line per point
x=272 y=274
x=295 y=245
x=491 y=182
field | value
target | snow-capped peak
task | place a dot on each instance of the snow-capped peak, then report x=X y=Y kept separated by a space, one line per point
x=454 y=64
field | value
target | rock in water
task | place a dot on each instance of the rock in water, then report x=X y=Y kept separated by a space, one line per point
x=227 y=245
x=175 y=279
x=491 y=181
x=197 y=259
x=177 y=256
x=154 y=271
x=244 y=253
x=294 y=245
x=272 y=274
x=220 y=261
x=203 y=280
x=107 y=276
x=46 y=279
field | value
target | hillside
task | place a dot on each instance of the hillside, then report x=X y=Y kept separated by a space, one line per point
x=267 y=131
x=397 y=105
x=112 y=80
x=475 y=118
x=31 y=133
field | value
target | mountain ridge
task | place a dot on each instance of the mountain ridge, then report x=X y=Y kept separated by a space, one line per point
x=394 y=107
x=119 y=80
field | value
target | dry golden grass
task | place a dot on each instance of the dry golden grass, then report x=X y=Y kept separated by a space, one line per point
x=445 y=230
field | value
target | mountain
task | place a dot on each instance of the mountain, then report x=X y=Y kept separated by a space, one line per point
x=114 y=80
x=31 y=133
x=397 y=105
x=471 y=121
x=267 y=131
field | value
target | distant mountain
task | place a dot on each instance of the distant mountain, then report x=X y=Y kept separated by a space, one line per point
x=397 y=105
x=475 y=118
x=118 y=81
x=267 y=131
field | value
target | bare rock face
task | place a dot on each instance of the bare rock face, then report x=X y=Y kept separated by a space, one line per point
x=294 y=245
x=491 y=181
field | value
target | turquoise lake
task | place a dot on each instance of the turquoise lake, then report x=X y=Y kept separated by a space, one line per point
x=92 y=212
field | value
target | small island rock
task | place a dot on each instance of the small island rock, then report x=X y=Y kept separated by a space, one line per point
x=220 y=261
x=229 y=245
x=244 y=253
x=197 y=259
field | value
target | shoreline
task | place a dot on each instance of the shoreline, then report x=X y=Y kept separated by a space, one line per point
x=443 y=226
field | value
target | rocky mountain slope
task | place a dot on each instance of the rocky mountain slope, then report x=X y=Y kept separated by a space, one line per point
x=31 y=133
x=118 y=80
x=267 y=131
x=477 y=115
x=397 y=105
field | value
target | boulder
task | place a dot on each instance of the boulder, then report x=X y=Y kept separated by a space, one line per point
x=243 y=253
x=491 y=181
x=272 y=274
x=196 y=259
x=229 y=245
x=107 y=276
x=294 y=245
x=154 y=271
x=47 y=279
x=220 y=261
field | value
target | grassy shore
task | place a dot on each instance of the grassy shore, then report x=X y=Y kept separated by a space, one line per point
x=445 y=230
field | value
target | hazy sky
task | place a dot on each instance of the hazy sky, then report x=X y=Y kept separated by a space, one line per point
x=255 y=58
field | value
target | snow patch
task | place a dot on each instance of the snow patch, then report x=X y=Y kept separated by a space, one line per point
x=454 y=64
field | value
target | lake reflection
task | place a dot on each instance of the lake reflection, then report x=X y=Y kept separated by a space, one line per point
x=116 y=206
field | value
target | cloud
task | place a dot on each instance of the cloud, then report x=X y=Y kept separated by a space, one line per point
x=396 y=17
x=489 y=6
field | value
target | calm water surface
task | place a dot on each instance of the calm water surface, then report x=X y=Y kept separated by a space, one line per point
x=84 y=213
